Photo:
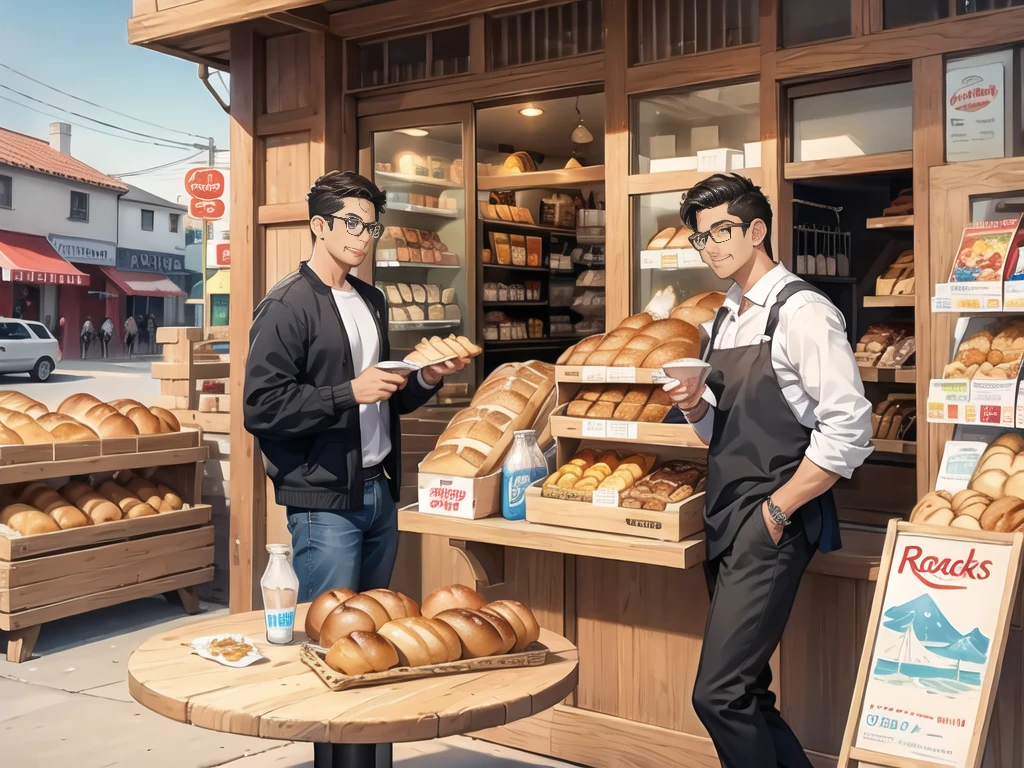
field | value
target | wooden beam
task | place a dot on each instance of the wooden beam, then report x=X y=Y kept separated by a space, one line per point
x=675 y=181
x=222 y=64
x=618 y=204
x=315 y=19
x=851 y=166
x=382 y=19
x=287 y=121
x=679 y=71
x=283 y=213
x=248 y=494
x=204 y=15
x=963 y=33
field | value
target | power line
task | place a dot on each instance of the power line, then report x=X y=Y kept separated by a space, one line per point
x=180 y=144
x=94 y=104
x=142 y=171
x=90 y=128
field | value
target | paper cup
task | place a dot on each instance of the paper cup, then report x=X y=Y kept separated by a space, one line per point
x=689 y=370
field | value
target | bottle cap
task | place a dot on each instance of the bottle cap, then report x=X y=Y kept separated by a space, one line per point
x=279 y=549
x=519 y=432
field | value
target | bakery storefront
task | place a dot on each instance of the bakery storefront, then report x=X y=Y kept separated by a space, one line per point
x=153 y=284
x=534 y=155
x=35 y=278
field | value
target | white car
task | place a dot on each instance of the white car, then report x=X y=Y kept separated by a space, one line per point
x=26 y=346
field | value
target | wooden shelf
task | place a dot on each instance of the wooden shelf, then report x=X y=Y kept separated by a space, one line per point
x=528 y=227
x=424 y=181
x=414 y=265
x=889 y=222
x=851 y=166
x=514 y=268
x=676 y=181
x=443 y=213
x=548 y=538
x=564 y=177
x=515 y=304
x=906 y=300
x=19 y=473
x=888 y=375
x=904 y=447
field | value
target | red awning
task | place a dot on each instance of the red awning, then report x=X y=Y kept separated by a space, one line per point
x=31 y=259
x=142 y=283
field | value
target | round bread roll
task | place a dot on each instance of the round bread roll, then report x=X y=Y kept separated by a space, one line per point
x=479 y=634
x=421 y=641
x=99 y=509
x=968 y=497
x=966 y=521
x=171 y=501
x=77 y=405
x=67 y=516
x=321 y=606
x=928 y=504
x=342 y=622
x=370 y=607
x=1001 y=513
x=997 y=458
x=695 y=316
x=990 y=482
x=397 y=605
x=32 y=522
x=361 y=653
x=1011 y=440
x=116 y=425
x=73 y=490
x=170 y=421
x=28 y=429
x=523 y=622
x=14 y=509
x=452 y=596
x=941 y=516
x=9 y=437
x=144 y=421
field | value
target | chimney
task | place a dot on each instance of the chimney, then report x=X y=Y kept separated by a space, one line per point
x=60 y=137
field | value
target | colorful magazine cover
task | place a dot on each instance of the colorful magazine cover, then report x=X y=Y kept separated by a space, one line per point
x=983 y=250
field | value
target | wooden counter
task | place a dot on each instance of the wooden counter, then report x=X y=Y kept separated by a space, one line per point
x=635 y=608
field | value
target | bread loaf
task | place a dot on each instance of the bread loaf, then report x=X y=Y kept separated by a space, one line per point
x=31 y=522
x=129 y=504
x=25 y=426
x=709 y=300
x=14 y=509
x=68 y=516
x=65 y=428
x=171 y=501
x=145 y=491
x=9 y=437
x=515 y=396
x=695 y=316
x=361 y=653
x=1004 y=515
x=321 y=607
x=77 y=405
x=145 y=422
x=420 y=641
x=452 y=596
x=371 y=608
x=479 y=634
x=521 y=618
x=397 y=605
x=342 y=622
x=169 y=422
x=16 y=401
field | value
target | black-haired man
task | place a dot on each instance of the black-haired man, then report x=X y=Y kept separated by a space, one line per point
x=784 y=416
x=326 y=417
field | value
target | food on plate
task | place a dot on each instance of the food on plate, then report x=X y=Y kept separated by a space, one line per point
x=436 y=349
x=229 y=648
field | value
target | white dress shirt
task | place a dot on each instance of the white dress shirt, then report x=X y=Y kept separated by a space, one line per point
x=814 y=364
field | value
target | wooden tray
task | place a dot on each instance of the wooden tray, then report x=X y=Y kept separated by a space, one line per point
x=187 y=437
x=645 y=433
x=313 y=656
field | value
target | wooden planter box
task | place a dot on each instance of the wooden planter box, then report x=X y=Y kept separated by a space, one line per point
x=54 y=575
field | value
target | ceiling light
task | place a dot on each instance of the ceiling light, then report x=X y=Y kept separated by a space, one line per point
x=413 y=131
x=531 y=111
x=580 y=134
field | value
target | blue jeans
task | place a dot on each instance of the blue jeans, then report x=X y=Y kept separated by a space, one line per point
x=354 y=549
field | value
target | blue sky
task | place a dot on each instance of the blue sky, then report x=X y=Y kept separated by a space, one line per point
x=81 y=46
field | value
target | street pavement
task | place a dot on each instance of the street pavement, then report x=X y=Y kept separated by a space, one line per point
x=105 y=379
x=69 y=705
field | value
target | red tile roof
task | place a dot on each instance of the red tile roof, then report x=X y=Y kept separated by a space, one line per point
x=33 y=154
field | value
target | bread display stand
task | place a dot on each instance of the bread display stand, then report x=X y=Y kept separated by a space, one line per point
x=50 y=576
x=188 y=362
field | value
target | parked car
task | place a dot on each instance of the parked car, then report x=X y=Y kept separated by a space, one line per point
x=26 y=346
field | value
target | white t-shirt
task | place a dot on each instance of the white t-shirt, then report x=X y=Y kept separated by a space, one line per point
x=375 y=418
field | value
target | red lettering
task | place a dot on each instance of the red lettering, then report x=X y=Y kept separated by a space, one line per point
x=922 y=567
x=984 y=567
x=959 y=564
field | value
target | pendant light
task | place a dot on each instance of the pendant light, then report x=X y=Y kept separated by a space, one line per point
x=580 y=134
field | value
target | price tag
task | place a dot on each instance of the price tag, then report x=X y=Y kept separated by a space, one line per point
x=441 y=495
x=595 y=428
x=621 y=430
x=621 y=375
x=659 y=377
x=594 y=374
x=650 y=259
x=605 y=497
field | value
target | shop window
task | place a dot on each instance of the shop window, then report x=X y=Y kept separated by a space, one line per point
x=173 y=221
x=903 y=13
x=807 y=21
x=964 y=7
x=852 y=121
x=661 y=29
x=713 y=129
x=79 y=206
x=543 y=34
x=6 y=192
x=147 y=220
x=438 y=53
x=983 y=114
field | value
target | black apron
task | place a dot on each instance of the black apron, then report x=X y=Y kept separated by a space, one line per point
x=757 y=442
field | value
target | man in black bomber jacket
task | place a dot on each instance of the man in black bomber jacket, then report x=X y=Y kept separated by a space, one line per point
x=327 y=419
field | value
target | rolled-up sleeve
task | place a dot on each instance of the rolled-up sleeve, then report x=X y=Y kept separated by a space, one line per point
x=705 y=426
x=819 y=353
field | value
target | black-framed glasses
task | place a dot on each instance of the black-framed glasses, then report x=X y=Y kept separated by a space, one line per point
x=720 y=232
x=356 y=226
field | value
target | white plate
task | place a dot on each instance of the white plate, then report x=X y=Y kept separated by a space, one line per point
x=686 y=369
x=434 y=362
x=399 y=366
x=201 y=647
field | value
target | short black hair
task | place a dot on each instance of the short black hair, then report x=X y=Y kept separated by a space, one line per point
x=325 y=195
x=746 y=201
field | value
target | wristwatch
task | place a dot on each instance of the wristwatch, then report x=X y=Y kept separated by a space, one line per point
x=777 y=514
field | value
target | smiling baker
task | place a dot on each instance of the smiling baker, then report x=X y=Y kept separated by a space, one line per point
x=784 y=416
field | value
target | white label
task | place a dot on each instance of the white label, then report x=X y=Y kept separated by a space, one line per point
x=975 y=112
x=594 y=374
x=942 y=304
x=594 y=428
x=659 y=377
x=976 y=296
x=605 y=497
x=959 y=459
x=621 y=375
x=621 y=430
x=650 y=259
x=1013 y=291
x=447 y=496
x=689 y=257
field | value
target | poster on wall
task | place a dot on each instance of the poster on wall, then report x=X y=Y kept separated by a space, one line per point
x=975 y=116
x=934 y=647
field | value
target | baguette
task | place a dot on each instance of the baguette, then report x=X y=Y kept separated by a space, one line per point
x=25 y=426
x=130 y=505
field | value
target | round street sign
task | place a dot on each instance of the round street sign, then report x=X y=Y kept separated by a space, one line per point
x=205 y=209
x=204 y=183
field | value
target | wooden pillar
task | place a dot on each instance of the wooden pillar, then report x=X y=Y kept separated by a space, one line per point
x=773 y=136
x=619 y=261
x=248 y=499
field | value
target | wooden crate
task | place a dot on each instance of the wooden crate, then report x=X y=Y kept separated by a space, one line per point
x=54 y=575
x=641 y=432
x=188 y=437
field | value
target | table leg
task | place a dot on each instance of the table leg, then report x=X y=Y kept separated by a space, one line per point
x=347 y=756
x=383 y=756
x=21 y=643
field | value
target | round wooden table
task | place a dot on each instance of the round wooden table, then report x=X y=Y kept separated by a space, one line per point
x=279 y=697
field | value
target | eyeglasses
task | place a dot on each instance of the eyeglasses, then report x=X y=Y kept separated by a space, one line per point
x=720 y=232
x=356 y=226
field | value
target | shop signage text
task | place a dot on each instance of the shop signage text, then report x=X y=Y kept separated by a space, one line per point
x=147 y=261
x=930 y=569
x=204 y=183
x=211 y=210
x=51 y=278
x=84 y=251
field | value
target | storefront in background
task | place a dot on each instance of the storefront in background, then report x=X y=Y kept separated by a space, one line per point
x=94 y=301
x=156 y=284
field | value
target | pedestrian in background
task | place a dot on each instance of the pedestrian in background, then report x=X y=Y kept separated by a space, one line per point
x=151 y=333
x=88 y=331
x=141 y=334
x=106 y=333
x=131 y=331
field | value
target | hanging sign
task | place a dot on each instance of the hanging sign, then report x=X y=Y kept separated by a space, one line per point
x=205 y=183
x=975 y=113
x=934 y=648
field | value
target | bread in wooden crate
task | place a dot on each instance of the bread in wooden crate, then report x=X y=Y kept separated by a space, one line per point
x=590 y=470
x=991 y=353
x=515 y=396
x=673 y=481
x=620 y=402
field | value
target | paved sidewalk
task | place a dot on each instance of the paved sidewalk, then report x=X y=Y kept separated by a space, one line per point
x=69 y=705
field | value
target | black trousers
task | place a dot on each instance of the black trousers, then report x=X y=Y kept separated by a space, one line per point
x=752 y=586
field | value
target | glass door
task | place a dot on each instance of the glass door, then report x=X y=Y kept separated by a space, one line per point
x=422 y=262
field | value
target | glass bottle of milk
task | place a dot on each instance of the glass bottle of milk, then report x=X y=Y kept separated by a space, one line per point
x=524 y=465
x=280 y=591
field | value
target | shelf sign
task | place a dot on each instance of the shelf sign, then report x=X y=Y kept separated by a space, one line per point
x=594 y=374
x=621 y=375
x=451 y=496
x=595 y=428
x=605 y=497
x=975 y=113
x=621 y=430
